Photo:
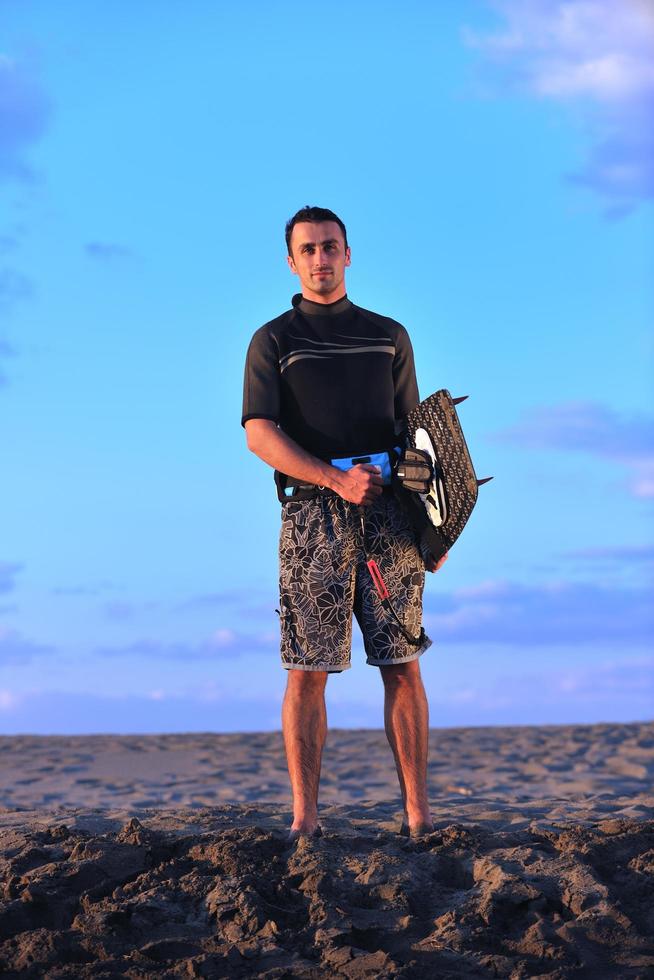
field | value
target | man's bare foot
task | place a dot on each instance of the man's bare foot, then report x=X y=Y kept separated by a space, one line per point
x=417 y=830
x=294 y=835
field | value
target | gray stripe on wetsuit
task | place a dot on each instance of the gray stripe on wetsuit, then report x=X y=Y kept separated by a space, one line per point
x=308 y=352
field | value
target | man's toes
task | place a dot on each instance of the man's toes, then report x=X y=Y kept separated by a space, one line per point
x=420 y=829
x=416 y=830
x=294 y=835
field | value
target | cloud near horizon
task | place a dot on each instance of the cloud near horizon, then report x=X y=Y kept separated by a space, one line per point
x=221 y=641
x=8 y=572
x=122 y=610
x=602 y=691
x=596 y=56
x=611 y=690
x=637 y=554
x=553 y=613
x=534 y=616
x=17 y=649
x=594 y=428
x=61 y=712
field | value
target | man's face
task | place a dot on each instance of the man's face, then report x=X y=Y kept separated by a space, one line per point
x=319 y=258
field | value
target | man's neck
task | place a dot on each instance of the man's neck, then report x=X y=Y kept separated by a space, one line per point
x=324 y=298
x=305 y=305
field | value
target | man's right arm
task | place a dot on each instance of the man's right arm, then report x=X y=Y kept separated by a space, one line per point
x=360 y=485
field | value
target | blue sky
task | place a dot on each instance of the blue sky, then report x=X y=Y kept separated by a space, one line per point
x=494 y=166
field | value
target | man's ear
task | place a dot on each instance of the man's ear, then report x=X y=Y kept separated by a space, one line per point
x=291 y=264
x=347 y=255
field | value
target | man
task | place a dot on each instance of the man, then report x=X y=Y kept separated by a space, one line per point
x=328 y=381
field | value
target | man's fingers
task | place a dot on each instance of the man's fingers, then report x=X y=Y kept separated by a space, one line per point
x=371 y=494
x=366 y=484
x=375 y=472
x=432 y=565
x=377 y=478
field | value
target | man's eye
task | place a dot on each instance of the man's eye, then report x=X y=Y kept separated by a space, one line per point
x=330 y=247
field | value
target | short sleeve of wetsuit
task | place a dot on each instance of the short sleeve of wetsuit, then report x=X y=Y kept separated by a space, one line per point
x=404 y=375
x=261 y=398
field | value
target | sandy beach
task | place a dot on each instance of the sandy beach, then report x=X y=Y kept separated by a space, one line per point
x=166 y=856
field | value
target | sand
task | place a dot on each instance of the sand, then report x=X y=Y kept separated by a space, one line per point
x=166 y=856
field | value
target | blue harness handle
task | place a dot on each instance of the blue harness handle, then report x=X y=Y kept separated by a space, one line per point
x=382 y=460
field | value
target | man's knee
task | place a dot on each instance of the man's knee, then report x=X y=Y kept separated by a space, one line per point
x=401 y=675
x=307 y=683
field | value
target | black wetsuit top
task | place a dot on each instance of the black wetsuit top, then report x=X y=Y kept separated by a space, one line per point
x=334 y=377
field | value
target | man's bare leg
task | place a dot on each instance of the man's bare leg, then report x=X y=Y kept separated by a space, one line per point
x=304 y=724
x=406 y=719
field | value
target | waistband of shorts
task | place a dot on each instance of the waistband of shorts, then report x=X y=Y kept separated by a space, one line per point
x=325 y=493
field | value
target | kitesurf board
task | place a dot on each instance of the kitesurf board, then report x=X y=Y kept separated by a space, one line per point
x=440 y=515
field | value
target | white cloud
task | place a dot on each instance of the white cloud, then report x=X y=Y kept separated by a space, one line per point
x=223 y=638
x=8 y=700
x=616 y=688
x=553 y=613
x=642 y=484
x=594 y=55
x=592 y=428
x=601 y=49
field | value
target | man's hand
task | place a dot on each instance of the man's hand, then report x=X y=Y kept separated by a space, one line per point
x=432 y=565
x=361 y=484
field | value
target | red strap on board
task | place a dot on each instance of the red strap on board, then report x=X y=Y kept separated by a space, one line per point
x=380 y=585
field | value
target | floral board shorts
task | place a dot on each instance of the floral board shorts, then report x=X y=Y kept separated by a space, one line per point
x=323 y=579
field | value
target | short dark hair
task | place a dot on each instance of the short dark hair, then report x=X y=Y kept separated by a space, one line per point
x=314 y=215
